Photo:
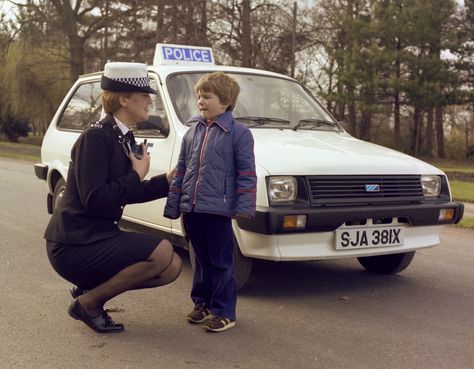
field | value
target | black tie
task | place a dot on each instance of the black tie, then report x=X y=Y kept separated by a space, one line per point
x=130 y=138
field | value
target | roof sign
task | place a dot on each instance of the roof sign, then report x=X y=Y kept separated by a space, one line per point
x=182 y=54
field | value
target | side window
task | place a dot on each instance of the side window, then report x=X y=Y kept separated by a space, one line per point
x=83 y=108
x=157 y=124
x=181 y=90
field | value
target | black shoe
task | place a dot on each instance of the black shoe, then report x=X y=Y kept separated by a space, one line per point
x=76 y=291
x=102 y=324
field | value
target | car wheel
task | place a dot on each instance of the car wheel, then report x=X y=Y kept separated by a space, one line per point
x=242 y=264
x=387 y=264
x=58 y=192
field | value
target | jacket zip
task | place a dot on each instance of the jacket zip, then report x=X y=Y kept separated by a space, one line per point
x=201 y=154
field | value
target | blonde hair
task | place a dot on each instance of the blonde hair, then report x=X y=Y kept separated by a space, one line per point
x=111 y=100
x=224 y=86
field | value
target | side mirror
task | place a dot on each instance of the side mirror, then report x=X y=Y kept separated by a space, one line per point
x=154 y=122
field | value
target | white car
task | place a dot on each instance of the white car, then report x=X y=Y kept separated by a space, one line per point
x=321 y=193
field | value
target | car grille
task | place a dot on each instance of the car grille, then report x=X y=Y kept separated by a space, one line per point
x=356 y=189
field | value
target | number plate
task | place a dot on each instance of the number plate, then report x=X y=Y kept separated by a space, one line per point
x=357 y=238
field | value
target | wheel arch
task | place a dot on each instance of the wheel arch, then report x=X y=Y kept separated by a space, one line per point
x=54 y=177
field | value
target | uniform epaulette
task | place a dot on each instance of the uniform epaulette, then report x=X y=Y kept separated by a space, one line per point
x=97 y=124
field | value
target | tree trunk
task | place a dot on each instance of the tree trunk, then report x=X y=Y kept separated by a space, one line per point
x=440 y=132
x=396 y=107
x=467 y=139
x=366 y=120
x=76 y=51
x=203 y=25
x=175 y=24
x=352 y=118
x=348 y=60
x=396 y=128
x=419 y=133
x=189 y=25
x=246 y=35
x=76 y=43
x=106 y=36
x=415 y=131
x=365 y=125
x=428 y=151
x=293 y=40
x=160 y=31
x=340 y=107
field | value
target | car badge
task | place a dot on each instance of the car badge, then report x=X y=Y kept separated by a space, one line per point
x=372 y=188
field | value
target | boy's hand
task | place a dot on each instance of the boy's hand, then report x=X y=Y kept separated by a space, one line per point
x=170 y=175
x=141 y=166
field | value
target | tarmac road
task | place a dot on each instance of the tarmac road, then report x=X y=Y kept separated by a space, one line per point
x=291 y=315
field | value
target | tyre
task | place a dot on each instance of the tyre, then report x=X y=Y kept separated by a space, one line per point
x=387 y=264
x=58 y=192
x=242 y=264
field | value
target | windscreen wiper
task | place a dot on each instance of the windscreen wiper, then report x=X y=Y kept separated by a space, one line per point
x=260 y=121
x=315 y=123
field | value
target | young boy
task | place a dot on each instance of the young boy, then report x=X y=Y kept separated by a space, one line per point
x=215 y=181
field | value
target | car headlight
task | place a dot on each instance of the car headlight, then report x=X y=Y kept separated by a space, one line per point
x=431 y=185
x=282 y=189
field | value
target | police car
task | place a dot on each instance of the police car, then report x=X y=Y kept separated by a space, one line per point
x=321 y=193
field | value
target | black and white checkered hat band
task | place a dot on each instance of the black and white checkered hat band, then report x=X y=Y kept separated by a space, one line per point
x=138 y=84
x=138 y=81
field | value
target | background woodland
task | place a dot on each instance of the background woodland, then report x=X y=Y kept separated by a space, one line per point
x=397 y=72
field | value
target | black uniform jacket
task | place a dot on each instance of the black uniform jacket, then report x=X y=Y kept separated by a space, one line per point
x=100 y=182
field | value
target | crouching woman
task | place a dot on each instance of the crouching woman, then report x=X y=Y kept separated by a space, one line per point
x=83 y=241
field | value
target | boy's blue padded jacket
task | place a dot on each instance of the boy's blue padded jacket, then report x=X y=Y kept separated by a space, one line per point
x=215 y=171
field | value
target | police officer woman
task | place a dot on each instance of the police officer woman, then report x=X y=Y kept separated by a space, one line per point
x=83 y=241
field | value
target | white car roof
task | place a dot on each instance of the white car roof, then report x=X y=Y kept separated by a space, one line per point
x=164 y=71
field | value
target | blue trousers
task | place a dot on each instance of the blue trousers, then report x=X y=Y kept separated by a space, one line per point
x=213 y=281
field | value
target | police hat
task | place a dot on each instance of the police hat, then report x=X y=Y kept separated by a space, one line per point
x=126 y=77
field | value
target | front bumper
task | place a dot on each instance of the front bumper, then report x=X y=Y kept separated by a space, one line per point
x=327 y=218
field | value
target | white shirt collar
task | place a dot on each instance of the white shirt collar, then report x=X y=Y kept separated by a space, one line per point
x=122 y=126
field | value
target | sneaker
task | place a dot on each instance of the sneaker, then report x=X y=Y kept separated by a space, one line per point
x=199 y=314
x=219 y=324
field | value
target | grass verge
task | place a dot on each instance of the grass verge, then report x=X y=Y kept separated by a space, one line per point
x=20 y=151
x=459 y=166
x=462 y=191
x=17 y=156
x=457 y=169
x=466 y=222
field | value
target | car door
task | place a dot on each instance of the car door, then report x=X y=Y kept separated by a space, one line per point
x=158 y=133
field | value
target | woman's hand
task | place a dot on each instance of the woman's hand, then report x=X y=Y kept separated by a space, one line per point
x=170 y=175
x=141 y=166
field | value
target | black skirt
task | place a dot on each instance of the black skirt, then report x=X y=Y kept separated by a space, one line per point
x=90 y=265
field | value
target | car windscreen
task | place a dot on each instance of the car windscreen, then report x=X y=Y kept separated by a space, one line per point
x=264 y=102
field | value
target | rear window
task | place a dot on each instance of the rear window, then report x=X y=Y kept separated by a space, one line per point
x=85 y=107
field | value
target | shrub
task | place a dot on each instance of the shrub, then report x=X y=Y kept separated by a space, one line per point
x=13 y=127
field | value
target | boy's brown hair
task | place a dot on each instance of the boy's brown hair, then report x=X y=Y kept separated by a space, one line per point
x=224 y=86
x=111 y=102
